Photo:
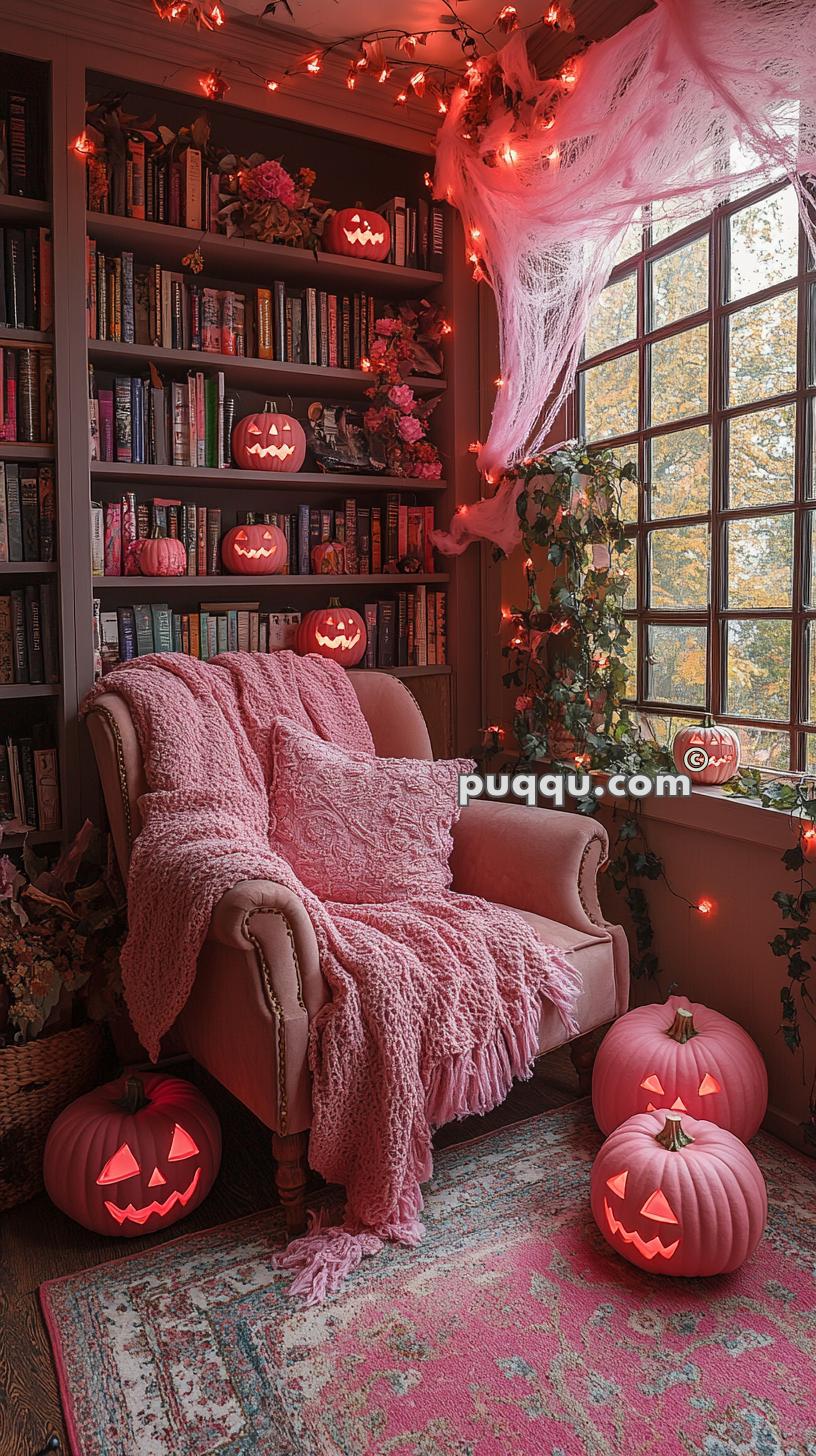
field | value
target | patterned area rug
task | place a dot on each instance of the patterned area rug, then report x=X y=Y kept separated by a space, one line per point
x=512 y=1331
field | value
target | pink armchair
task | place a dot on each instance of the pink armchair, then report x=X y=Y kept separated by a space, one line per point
x=259 y=983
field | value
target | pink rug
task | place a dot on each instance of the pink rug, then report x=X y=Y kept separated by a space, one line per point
x=513 y=1330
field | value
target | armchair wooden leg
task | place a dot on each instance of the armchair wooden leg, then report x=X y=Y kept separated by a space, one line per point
x=290 y=1178
x=582 y=1055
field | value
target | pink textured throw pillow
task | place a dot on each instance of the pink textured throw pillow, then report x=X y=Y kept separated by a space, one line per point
x=360 y=829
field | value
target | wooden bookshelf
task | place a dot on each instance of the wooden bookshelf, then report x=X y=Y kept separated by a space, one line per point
x=23 y=337
x=262 y=376
x=25 y=453
x=23 y=211
x=27 y=568
x=16 y=838
x=332 y=585
x=10 y=692
x=243 y=258
x=127 y=475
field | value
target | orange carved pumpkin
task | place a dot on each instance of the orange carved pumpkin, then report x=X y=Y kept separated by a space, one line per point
x=678 y=1196
x=133 y=1156
x=254 y=550
x=333 y=631
x=355 y=232
x=160 y=555
x=708 y=752
x=269 y=441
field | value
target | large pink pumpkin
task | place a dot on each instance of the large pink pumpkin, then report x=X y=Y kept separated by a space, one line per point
x=677 y=1196
x=133 y=1156
x=684 y=1056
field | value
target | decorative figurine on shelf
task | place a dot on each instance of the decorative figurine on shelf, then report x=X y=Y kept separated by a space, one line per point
x=684 y=1056
x=329 y=558
x=333 y=631
x=133 y=1156
x=254 y=550
x=269 y=441
x=677 y=1196
x=337 y=439
x=356 y=233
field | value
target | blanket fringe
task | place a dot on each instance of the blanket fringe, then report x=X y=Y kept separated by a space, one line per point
x=324 y=1257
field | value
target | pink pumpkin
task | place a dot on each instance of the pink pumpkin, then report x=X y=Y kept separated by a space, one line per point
x=677 y=1196
x=133 y=1156
x=708 y=752
x=683 y=1056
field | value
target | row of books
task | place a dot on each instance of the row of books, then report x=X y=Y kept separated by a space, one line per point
x=131 y=303
x=184 y=193
x=23 y=148
x=417 y=233
x=372 y=539
x=407 y=631
x=29 y=651
x=29 y=781
x=28 y=512
x=26 y=279
x=27 y=394
x=143 y=420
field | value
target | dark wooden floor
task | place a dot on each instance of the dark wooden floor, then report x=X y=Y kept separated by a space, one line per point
x=37 y=1242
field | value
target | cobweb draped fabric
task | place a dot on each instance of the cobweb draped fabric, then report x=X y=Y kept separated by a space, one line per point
x=692 y=103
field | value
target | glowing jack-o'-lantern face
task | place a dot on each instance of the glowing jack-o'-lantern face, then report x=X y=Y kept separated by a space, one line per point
x=357 y=233
x=334 y=631
x=269 y=441
x=258 y=550
x=655 y=1183
x=132 y=1157
x=683 y=1057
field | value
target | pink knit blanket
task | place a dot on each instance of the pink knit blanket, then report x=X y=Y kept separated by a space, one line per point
x=434 y=1005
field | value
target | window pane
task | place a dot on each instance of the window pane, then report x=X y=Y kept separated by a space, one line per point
x=679 y=283
x=630 y=489
x=762 y=351
x=630 y=661
x=611 y=398
x=760 y=562
x=660 y=728
x=614 y=317
x=810 y=533
x=679 y=567
x=692 y=209
x=677 y=665
x=763 y=748
x=761 y=457
x=758 y=663
x=630 y=243
x=629 y=564
x=679 y=371
x=680 y=473
x=764 y=244
x=811 y=664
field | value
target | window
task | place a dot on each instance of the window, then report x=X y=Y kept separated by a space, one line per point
x=700 y=365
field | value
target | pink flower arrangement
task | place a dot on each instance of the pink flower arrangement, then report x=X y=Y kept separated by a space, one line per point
x=403 y=397
x=411 y=429
x=268 y=182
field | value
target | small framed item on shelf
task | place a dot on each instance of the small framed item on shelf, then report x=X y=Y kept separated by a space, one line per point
x=339 y=441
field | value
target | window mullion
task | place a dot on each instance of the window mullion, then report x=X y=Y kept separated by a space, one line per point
x=718 y=394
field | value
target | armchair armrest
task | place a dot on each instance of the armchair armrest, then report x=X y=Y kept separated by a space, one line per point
x=543 y=860
x=268 y=920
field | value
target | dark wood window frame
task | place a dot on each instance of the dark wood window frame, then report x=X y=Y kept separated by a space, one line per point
x=715 y=618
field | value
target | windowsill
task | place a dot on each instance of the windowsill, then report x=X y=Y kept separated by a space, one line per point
x=710 y=811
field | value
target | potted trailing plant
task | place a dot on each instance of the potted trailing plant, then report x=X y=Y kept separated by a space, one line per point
x=60 y=932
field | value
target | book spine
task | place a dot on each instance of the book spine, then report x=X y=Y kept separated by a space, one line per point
x=18 y=634
x=47 y=506
x=113 y=539
x=46 y=779
x=213 y=541
x=15 y=512
x=6 y=644
x=30 y=505
x=33 y=623
x=97 y=539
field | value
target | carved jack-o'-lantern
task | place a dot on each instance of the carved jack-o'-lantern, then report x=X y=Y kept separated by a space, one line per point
x=254 y=550
x=357 y=233
x=269 y=441
x=133 y=1156
x=708 y=752
x=677 y=1196
x=333 y=631
x=684 y=1056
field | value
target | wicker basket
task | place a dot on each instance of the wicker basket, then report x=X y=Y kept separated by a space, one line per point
x=36 y=1081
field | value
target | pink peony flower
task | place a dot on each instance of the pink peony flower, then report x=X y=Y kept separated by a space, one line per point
x=377 y=350
x=268 y=182
x=403 y=397
x=523 y=702
x=387 y=325
x=411 y=429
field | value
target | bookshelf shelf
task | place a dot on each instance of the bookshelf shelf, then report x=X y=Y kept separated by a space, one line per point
x=22 y=451
x=17 y=837
x=10 y=691
x=242 y=257
x=27 y=568
x=327 y=583
x=443 y=670
x=270 y=481
x=265 y=376
x=17 y=211
x=8 y=337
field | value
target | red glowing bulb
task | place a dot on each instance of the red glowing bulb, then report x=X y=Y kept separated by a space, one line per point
x=704 y=907
x=273 y=85
x=314 y=65
x=82 y=145
x=365 y=364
